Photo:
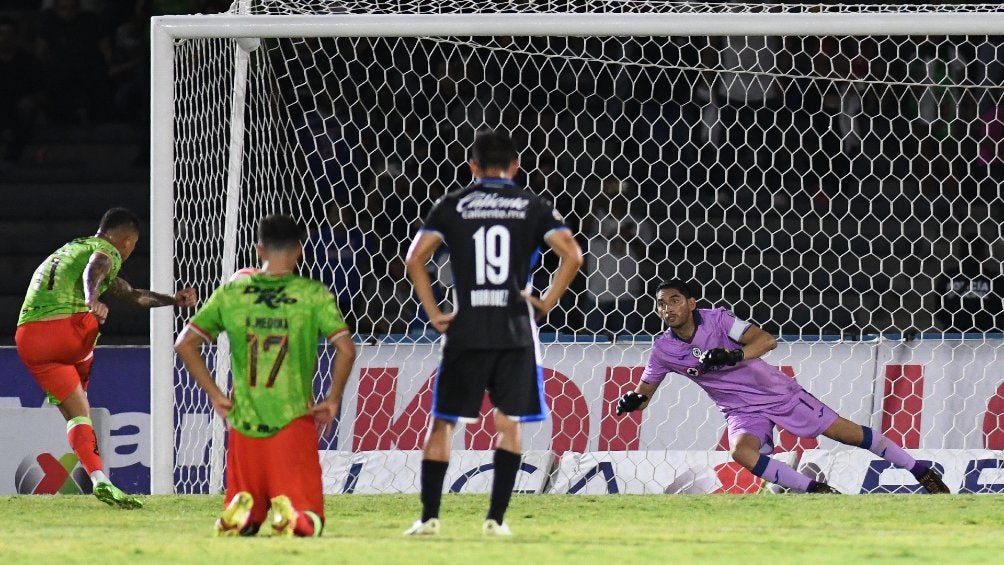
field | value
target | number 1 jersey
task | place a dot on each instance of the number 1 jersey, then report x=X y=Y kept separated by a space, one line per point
x=273 y=324
x=57 y=287
x=494 y=233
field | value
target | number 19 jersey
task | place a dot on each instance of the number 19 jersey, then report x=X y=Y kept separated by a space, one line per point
x=273 y=324
x=494 y=232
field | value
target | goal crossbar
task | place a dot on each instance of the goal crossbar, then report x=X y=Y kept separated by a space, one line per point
x=597 y=25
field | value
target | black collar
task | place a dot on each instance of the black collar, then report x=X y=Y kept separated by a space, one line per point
x=697 y=324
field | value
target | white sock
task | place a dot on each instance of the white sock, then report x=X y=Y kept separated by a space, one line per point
x=99 y=477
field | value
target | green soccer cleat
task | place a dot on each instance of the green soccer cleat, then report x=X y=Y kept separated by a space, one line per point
x=235 y=516
x=283 y=516
x=114 y=496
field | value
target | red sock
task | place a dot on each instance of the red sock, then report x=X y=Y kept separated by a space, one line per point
x=308 y=524
x=80 y=434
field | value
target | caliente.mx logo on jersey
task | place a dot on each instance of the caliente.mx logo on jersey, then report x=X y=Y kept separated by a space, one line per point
x=271 y=297
x=480 y=204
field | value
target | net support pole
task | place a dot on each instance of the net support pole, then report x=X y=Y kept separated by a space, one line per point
x=162 y=373
x=231 y=219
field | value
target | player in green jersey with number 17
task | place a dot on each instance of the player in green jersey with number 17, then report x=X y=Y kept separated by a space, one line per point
x=273 y=319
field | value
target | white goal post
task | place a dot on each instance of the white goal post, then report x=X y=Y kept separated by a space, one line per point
x=218 y=160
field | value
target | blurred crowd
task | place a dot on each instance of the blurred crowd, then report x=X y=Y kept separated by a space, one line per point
x=688 y=131
x=77 y=62
x=633 y=141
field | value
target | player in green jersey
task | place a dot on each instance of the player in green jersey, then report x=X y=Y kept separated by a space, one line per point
x=273 y=319
x=58 y=327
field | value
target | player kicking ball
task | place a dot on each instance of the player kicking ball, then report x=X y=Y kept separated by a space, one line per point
x=273 y=319
x=59 y=324
x=721 y=354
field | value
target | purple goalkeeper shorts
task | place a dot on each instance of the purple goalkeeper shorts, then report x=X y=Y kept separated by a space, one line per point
x=803 y=415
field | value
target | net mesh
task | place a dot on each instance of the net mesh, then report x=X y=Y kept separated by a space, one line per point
x=840 y=186
x=287 y=7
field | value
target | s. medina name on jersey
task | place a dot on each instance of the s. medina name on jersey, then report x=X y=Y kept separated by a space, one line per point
x=268 y=323
x=494 y=232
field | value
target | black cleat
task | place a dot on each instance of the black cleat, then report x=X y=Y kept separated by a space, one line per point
x=931 y=480
x=823 y=488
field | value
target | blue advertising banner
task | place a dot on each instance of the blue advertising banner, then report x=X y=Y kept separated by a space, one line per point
x=120 y=383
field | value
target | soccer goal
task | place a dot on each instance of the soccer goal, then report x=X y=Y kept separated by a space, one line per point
x=828 y=172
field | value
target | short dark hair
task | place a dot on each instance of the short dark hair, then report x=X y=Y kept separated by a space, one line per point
x=118 y=218
x=678 y=284
x=493 y=150
x=279 y=231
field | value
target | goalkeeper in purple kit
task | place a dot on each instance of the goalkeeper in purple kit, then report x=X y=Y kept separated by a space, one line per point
x=721 y=354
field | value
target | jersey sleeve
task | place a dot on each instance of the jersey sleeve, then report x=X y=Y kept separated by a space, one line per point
x=548 y=218
x=331 y=324
x=106 y=248
x=656 y=368
x=435 y=222
x=732 y=326
x=208 y=321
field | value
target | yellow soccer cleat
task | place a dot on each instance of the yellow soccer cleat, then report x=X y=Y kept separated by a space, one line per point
x=235 y=516
x=283 y=516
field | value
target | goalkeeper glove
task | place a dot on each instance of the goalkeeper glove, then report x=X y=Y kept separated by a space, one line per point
x=719 y=357
x=630 y=402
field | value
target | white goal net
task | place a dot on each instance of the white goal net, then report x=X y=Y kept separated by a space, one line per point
x=830 y=173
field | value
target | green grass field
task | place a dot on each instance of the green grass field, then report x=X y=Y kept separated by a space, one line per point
x=613 y=529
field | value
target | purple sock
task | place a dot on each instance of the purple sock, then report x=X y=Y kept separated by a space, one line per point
x=886 y=449
x=781 y=474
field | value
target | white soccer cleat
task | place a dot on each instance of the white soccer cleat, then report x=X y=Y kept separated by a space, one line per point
x=429 y=527
x=235 y=516
x=493 y=528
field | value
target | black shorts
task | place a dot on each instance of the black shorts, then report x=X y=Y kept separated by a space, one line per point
x=512 y=378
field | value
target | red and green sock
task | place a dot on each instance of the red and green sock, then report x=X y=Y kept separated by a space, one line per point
x=80 y=434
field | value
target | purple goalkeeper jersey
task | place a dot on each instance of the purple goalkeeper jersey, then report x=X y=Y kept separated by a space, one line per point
x=749 y=385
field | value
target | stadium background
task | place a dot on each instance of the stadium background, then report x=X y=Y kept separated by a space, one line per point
x=81 y=158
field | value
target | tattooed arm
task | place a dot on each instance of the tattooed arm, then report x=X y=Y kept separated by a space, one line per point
x=97 y=269
x=124 y=292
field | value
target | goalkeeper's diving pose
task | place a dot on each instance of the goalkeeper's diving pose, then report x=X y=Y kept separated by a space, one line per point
x=721 y=354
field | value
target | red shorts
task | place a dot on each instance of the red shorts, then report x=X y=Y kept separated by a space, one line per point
x=59 y=353
x=286 y=463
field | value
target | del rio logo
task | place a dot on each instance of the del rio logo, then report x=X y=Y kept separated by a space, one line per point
x=271 y=297
x=44 y=474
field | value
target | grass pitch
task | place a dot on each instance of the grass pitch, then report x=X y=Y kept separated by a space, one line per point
x=614 y=529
